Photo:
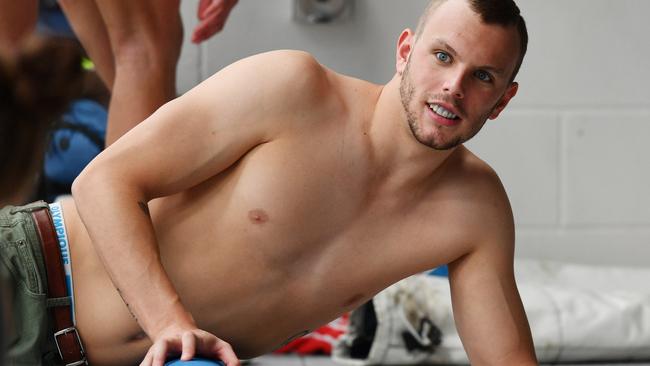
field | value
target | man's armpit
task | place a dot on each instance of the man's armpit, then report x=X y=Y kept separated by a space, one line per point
x=144 y=207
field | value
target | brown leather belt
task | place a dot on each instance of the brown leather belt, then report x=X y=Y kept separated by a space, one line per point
x=66 y=336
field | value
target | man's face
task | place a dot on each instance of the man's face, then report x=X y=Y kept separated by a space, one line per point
x=456 y=75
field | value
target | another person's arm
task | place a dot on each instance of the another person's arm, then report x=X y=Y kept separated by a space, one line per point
x=212 y=16
x=184 y=143
x=487 y=307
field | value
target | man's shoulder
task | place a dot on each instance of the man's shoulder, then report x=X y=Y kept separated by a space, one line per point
x=293 y=78
x=287 y=60
x=298 y=70
x=477 y=172
x=273 y=86
x=484 y=195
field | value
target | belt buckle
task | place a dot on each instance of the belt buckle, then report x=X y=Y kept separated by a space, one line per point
x=65 y=331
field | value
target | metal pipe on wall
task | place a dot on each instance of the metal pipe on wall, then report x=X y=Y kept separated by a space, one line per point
x=322 y=11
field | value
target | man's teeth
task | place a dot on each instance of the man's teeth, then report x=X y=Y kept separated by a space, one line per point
x=442 y=112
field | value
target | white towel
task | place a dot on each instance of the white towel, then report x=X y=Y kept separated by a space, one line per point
x=576 y=313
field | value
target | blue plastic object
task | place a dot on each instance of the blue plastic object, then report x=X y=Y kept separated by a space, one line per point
x=195 y=362
x=76 y=140
x=441 y=271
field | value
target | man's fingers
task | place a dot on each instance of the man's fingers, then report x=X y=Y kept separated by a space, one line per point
x=208 y=11
x=226 y=354
x=201 y=8
x=206 y=29
x=159 y=353
x=147 y=359
x=188 y=344
x=212 y=15
x=209 y=8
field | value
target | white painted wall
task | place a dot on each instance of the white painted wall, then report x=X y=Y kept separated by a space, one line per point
x=571 y=148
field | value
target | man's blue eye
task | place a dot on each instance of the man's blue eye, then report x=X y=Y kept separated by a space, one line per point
x=443 y=57
x=483 y=76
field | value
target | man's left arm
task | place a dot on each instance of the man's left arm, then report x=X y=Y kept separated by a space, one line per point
x=488 y=311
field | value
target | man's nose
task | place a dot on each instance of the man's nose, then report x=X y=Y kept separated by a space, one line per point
x=454 y=84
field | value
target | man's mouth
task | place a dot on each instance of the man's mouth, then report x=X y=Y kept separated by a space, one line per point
x=441 y=111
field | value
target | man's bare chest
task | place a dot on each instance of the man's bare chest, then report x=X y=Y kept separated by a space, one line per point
x=301 y=214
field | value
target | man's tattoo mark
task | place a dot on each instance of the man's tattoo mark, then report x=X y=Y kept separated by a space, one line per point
x=127 y=304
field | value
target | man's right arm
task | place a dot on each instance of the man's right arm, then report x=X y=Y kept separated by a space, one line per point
x=184 y=143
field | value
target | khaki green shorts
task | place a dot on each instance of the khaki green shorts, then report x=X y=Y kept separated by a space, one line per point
x=28 y=338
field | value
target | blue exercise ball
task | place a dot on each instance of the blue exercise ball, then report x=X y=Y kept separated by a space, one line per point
x=195 y=362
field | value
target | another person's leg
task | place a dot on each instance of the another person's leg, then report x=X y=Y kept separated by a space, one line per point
x=17 y=20
x=89 y=27
x=145 y=38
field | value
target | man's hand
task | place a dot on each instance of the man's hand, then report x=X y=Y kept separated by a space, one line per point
x=212 y=16
x=188 y=342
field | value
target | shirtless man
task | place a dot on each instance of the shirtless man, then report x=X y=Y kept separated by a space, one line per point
x=277 y=195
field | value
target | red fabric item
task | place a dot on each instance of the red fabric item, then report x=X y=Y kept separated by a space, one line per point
x=319 y=341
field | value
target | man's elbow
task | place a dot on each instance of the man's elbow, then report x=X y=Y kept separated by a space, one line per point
x=93 y=181
x=82 y=184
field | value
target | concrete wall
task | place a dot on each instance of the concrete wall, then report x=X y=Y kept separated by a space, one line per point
x=571 y=148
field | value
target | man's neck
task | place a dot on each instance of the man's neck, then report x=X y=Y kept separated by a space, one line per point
x=400 y=160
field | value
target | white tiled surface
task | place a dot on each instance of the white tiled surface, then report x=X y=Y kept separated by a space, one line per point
x=325 y=361
x=607 y=168
x=616 y=247
x=586 y=52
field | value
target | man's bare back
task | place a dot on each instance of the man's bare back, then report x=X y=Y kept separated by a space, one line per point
x=278 y=194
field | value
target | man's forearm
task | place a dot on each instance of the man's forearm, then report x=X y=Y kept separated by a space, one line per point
x=119 y=223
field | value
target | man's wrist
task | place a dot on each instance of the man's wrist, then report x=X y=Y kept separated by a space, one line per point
x=174 y=317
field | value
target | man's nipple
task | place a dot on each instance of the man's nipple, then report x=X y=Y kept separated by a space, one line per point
x=258 y=216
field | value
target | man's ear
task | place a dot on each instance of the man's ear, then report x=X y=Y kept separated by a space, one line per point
x=505 y=99
x=404 y=48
